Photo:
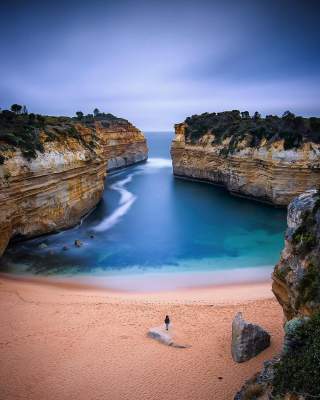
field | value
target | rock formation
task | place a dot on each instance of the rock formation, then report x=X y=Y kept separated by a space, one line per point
x=296 y=278
x=168 y=338
x=248 y=340
x=160 y=335
x=271 y=160
x=295 y=373
x=123 y=144
x=52 y=173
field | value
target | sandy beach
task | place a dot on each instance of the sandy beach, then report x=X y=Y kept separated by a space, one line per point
x=61 y=341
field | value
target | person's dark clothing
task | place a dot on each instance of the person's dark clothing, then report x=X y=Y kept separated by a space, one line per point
x=167 y=322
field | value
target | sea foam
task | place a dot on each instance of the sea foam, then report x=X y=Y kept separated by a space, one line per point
x=159 y=163
x=126 y=200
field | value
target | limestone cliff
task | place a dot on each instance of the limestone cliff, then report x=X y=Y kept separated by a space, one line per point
x=296 y=278
x=123 y=144
x=55 y=176
x=295 y=373
x=256 y=159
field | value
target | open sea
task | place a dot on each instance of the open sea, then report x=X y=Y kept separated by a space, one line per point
x=152 y=231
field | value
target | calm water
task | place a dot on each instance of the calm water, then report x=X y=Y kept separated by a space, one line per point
x=152 y=231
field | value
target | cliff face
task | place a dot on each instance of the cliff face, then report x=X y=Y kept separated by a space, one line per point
x=296 y=278
x=266 y=171
x=55 y=189
x=295 y=373
x=123 y=145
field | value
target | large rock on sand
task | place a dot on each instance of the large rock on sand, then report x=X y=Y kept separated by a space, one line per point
x=248 y=339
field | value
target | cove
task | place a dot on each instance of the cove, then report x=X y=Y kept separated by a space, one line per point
x=154 y=232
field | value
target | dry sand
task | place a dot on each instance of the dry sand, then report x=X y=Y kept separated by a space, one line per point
x=70 y=342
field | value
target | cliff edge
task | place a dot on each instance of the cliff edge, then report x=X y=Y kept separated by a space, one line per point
x=269 y=159
x=52 y=169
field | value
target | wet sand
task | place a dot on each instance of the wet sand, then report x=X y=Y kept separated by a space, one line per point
x=68 y=341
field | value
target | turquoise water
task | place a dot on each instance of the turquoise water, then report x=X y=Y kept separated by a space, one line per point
x=151 y=225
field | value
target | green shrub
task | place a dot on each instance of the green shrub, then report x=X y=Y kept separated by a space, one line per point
x=9 y=138
x=298 y=371
x=293 y=130
x=22 y=131
x=309 y=287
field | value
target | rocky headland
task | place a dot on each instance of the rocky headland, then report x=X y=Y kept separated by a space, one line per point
x=269 y=159
x=295 y=373
x=52 y=169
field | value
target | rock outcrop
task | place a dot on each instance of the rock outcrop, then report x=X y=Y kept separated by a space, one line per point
x=57 y=174
x=226 y=150
x=160 y=335
x=295 y=373
x=168 y=338
x=248 y=340
x=296 y=278
x=123 y=144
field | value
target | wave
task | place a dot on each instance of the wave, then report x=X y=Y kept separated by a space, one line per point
x=125 y=203
x=127 y=198
x=159 y=163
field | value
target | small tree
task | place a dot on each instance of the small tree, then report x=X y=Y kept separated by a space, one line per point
x=89 y=117
x=79 y=115
x=24 y=110
x=96 y=112
x=256 y=115
x=16 y=108
x=245 y=115
x=288 y=115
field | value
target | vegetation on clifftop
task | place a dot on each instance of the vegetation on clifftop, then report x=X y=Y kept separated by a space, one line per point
x=238 y=126
x=298 y=370
x=28 y=132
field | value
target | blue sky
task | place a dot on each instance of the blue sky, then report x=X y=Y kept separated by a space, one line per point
x=156 y=62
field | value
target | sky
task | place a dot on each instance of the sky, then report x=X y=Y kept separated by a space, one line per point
x=157 y=62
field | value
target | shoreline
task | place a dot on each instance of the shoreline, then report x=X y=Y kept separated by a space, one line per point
x=223 y=294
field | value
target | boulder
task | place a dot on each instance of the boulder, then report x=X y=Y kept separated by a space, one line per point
x=160 y=334
x=43 y=246
x=248 y=339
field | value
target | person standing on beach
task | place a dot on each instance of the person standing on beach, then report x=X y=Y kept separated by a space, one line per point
x=167 y=322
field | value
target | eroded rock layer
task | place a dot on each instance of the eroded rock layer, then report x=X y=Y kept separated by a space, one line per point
x=266 y=172
x=123 y=145
x=296 y=278
x=55 y=189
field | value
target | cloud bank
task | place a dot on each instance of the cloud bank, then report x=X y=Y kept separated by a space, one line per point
x=155 y=63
